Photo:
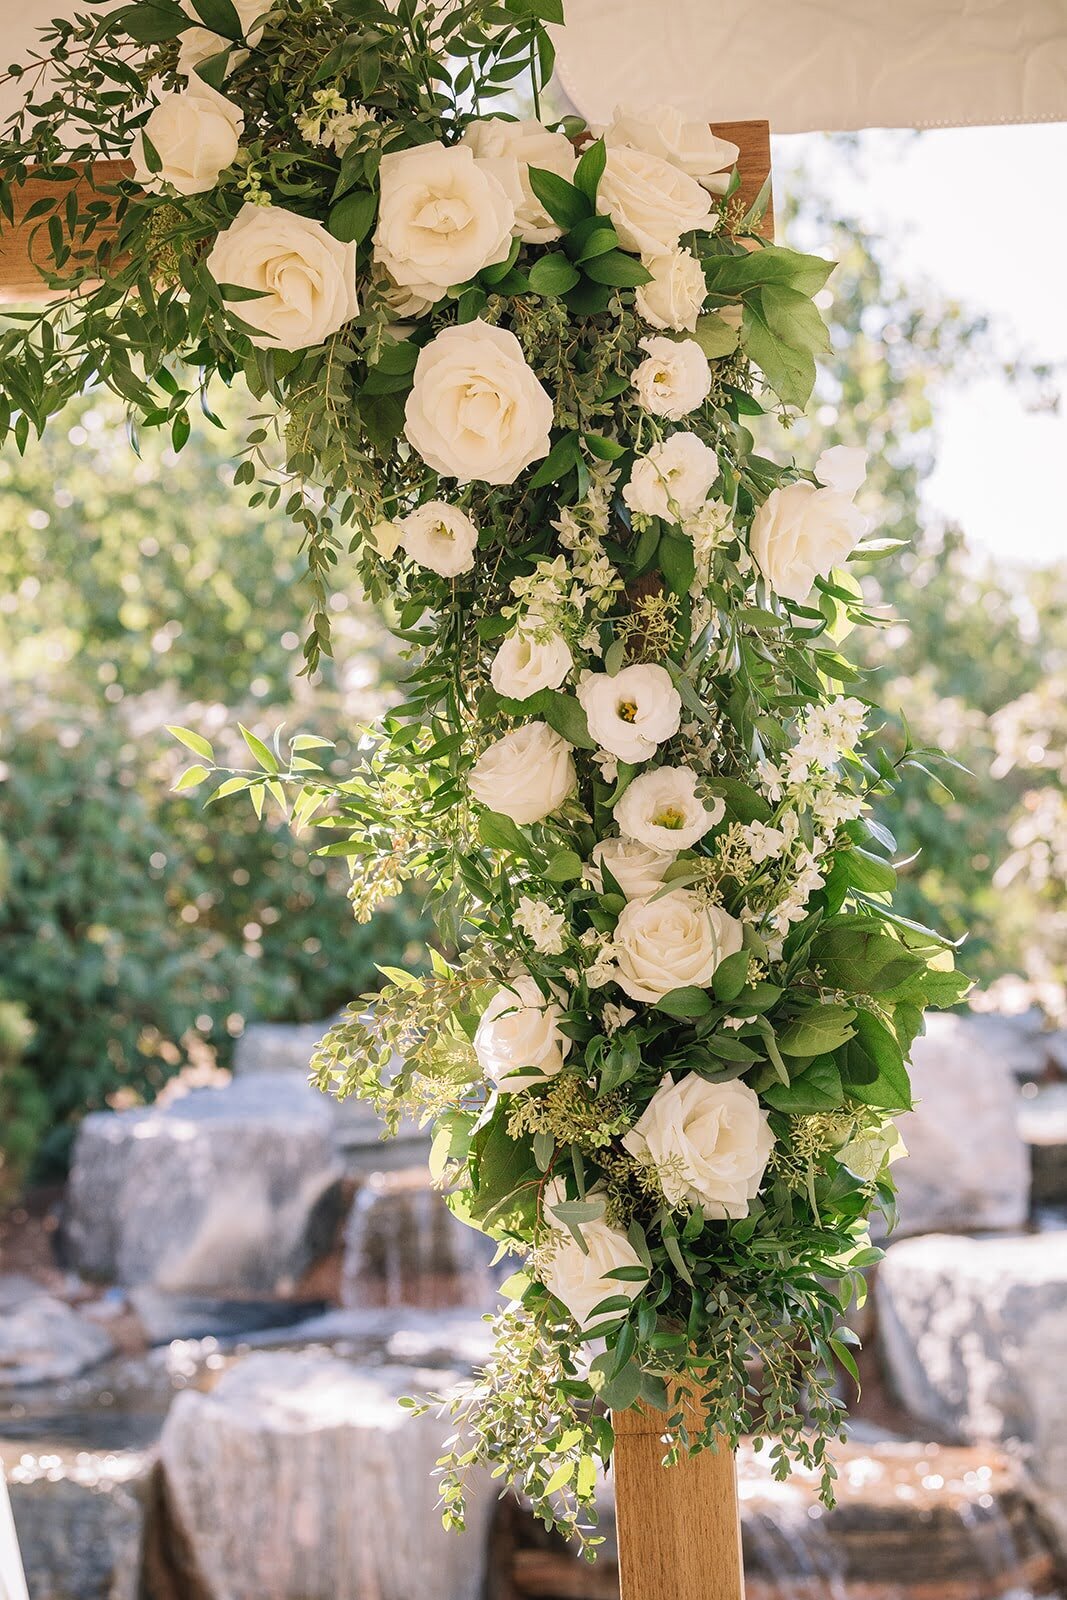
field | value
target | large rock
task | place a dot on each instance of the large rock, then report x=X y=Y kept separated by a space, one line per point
x=1043 y=1127
x=403 y=1247
x=1023 y=1041
x=234 y=1188
x=300 y=1478
x=43 y=1341
x=967 y=1166
x=80 y=1521
x=974 y=1336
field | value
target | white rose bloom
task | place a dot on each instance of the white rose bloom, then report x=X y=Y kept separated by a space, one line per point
x=509 y=150
x=519 y=1034
x=440 y=537
x=197 y=44
x=675 y=296
x=633 y=712
x=672 y=942
x=195 y=134
x=530 y=659
x=306 y=277
x=650 y=202
x=526 y=775
x=842 y=468
x=577 y=1277
x=442 y=218
x=673 y=479
x=689 y=146
x=674 y=378
x=638 y=869
x=660 y=808
x=476 y=411
x=800 y=533
x=709 y=1143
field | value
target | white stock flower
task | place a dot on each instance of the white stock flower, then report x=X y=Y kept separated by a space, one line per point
x=800 y=533
x=509 y=150
x=689 y=146
x=526 y=775
x=765 y=843
x=842 y=468
x=195 y=133
x=532 y=658
x=660 y=808
x=616 y=1017
x=673 y=479
x=306 y=278
x=673 y=942
x=577 y=1277
x=519 y=1034
x=441 y=218
x=544 y=927
x=708 y=1142
x=638 y=869
x=650 y=202
x=674 y=378
x=440 y=537
x=632 y=713
x=675 y=296
x=476 y=411
x=198 y=44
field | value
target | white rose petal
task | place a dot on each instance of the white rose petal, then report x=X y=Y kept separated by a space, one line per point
x=673 y=479
x=440 y=537
x=442 y=217
x=842 y=468
x=632 y=713
x=195 y=134
x=577 y=1277
x=689 y=146
x=530 y=659
x=476 y=411
x=650 y=202
x=661 y=809
x=638 y=869
x=709 y=1143
x=306 y=278
x=673 y=942
x=800 y=533
x=674 y=378
x=518 y=1040
x=198 y=44
x=675 y=296
x=509 y=150
x=526 y=775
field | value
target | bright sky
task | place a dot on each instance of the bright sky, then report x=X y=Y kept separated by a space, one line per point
x=977 y=211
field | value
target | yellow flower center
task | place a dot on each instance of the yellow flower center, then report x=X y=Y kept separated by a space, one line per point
x=627 y=711
x=670 y=817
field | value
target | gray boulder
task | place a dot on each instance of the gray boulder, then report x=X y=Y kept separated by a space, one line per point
x=300 y=1478
x=43 y=1341
x=1043 y=1127
x=403 y=1247
x=234 y=1188
x=80 y=1521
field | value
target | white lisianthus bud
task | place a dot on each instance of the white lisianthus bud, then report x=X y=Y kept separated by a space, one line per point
x=532 y=658
x=689 y=146
x=440 y=537
x=577 y=1277
x=638 y=869
x=708 y=1142
x=675 y=296
x=673 y=942
x=842 y=468
x=195 y=134
x=650 y=202
x=674 y=378
x=518 y=1040
x=632 y=713
x=509 y=150
x=673 y=479
x=198 y=44
x=441 y=218
x=526 y=775
x=660 y=808
x=384 y=537
x=801 y=533
x=306 y=277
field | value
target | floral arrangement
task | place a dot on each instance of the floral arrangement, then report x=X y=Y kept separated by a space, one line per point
x=510 y=371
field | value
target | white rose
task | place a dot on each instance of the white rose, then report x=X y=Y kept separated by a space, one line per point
x=675 y=296
x=843 y=468
x=442 y=217
x=709 y=1143
x=532 y=658
x=660 y=808
x=526 y=775
x=578 y=1277
x=650 y=202
x=689 y=146
x=673 y=479
x=509 y=150
x=476 y=411
x=195 y=134
x=674 y=378
x=673 y=942
x=306 y=277
x=800 y=533
x=633 y=712
x=440 y=537
x=519 y=1029
x=197 y=44
x=638 y=869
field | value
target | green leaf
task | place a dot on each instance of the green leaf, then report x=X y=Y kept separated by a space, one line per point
x=818 y=1088
x=735 y=275
x=594 y=236
x=590 y=170
x=563 y=713
x=221 y=17
x=818 y=1031
x=688 y=1001
x=154 y=21
x=617 y=269
x=564 y=866
x=192 y=741
x=191 y=777
x=730 y=976
x=789 y=371
x=715 y=337
x=873 y=1067
x=677 y=561
x=265 y=757
x=564 y=203
x=500 y=833
x=553 y=275
x=563 y=455
x=352 y=217
x=868 y=872
x=859 y=957
x=743 y=804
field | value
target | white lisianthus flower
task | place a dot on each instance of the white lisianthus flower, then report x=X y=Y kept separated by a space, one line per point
x=518 y=1040
x=440 y=537
x=532 y=658
x=476 y=411
x=638 y=869
x=675 y=296
x=674 y=378
x=673 y=479
x=195 y=134
x=801 y=533
x=544 y=927
x=526 y=775
x=660 y=808
x=306 y=277
x=650 y=202
x=632 y=713
x=842 y=468
x=689 y=146
x=509 y=150
x=441 y=218
x=577 y=1277
x=673 y=942
x=708 y=1142
x=198 y=44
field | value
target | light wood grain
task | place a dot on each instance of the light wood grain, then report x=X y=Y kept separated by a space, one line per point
x=753 y=141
